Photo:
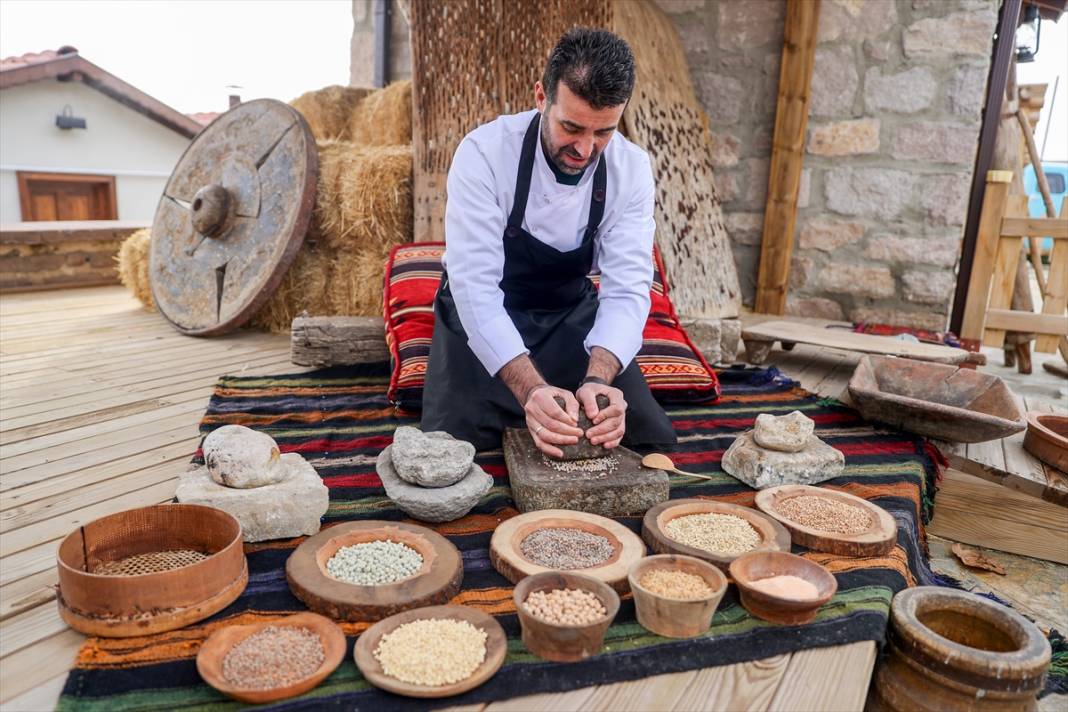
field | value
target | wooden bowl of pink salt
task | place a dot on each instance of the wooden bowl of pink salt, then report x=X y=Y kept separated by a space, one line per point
x=782 y=588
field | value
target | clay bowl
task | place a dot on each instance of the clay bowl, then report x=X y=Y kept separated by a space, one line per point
x=1047 y=439
x=157 y=600
x=755 y=566
x=564 y=643
x=436 y=581
x=939 y=401
x=673 y=617
x=773 y=536
x=367 y=643
x=218 y=645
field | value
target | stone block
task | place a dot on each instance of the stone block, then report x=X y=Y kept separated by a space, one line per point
x=432 y=504
x=966 y=90
x=434 y=459
x=722 y=97
x=804 y=190
x=291 y=507
x=705 y=334
x=929 y=287
x=961 y=34
x=937 y=142
x=679 y=7
x=745 y=228
x=730 y=337
x=935 y=321
x=853 y=19
x=761 y=468
x=801 y=271
x=858 y=280
x=871 y=192
x=834 y=82
x=829 y=235
x=725 y=147
x=237 y=456
x=756 y=191
x=754 y=23
x=944 y=198
x=934 y=251
x=816 y=307
x=844 y=138
x=785 y=433
x=904 y=93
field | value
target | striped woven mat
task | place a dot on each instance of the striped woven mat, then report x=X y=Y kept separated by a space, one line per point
x=339 y=420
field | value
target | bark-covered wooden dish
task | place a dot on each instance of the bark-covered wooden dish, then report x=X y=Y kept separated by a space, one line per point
x=215 y=649
x=150 y=570
x=436 y=581
x=878 y=539
x=773 y=536
x=367 y=643
x=506 y=553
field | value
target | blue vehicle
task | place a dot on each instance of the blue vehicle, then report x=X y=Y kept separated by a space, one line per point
x=1057 y=177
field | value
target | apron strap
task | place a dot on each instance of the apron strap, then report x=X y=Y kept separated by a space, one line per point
x=522 y=181
x=600 y=181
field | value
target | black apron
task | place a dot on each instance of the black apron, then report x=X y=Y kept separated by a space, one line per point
x=553 y=305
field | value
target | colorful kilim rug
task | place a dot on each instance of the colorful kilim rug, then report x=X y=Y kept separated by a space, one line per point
x=339 y=420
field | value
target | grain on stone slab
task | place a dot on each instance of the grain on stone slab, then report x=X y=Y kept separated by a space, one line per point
x=565 y=606
x=432 y=651
x=566 y=549
x=374 y=563
x=716 y=533
x=825 y=514
x=672 y=583
x=608 y=463
x=273 y=657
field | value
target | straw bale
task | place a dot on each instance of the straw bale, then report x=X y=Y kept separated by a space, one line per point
x=383 y=117
x=133 y=267
x=329 y=110
x=304 y=288
x=364 y=196
x=356 y=282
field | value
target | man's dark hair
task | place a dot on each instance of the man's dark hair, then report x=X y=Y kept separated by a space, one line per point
x=596 y=65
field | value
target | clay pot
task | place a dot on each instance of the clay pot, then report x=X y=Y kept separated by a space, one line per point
x=672 y=617
x=953 y=650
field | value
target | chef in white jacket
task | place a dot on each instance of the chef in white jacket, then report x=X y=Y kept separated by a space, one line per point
x=536 y=202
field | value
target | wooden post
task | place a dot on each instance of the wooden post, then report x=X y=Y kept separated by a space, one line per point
x=1043 y=186
x=784 y=179
x=986 y=245
x=1055 y=299
x=1006 y=261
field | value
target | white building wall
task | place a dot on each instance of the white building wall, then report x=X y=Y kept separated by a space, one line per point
x=117 y=141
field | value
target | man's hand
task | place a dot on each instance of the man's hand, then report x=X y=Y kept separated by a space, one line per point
x=549 y=424
x=609 y=424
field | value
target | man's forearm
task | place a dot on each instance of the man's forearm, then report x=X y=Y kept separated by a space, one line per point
x=522 y=377
x=603 y=365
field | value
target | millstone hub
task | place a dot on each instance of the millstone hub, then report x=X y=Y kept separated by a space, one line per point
x=232 y=217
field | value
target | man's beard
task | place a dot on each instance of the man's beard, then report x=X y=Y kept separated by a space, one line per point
x=556 y=155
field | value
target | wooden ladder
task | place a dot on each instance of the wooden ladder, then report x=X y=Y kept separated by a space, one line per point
x=1003 y=223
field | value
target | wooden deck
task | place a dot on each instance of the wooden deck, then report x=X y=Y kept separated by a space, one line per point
x=98 y=413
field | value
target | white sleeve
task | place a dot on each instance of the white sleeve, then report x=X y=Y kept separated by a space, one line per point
x=474 y=257
x=626 y=264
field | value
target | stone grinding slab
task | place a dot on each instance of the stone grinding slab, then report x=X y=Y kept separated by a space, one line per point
x=629 y=488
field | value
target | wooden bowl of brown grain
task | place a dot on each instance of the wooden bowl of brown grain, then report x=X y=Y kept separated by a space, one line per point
x=561 y=642
x=751 y=573
x=670 y=607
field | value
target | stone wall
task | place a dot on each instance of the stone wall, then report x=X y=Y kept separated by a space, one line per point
x=894 y=122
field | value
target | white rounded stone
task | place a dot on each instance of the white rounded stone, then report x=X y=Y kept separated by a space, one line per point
x=241 y=457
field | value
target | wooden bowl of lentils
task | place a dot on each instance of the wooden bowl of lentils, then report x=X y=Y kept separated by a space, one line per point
x=676 y=596
x=271 y=660
x=564 y=616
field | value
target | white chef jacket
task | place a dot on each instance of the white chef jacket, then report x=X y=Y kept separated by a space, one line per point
x=481 y=189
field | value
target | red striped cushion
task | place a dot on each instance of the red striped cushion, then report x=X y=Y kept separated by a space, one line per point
x=673 y=367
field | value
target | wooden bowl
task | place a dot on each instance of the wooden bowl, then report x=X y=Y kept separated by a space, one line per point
x=673 y=617
x=367 y=643
x=1047 y=439
x=773 y=536
x=507 y=556
x=758 y=565
x=118 y=606
x=877 y=540
x=564 y=643
x=436 y=581
x=218 y=645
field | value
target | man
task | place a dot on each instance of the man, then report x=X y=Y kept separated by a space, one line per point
x=535 y=202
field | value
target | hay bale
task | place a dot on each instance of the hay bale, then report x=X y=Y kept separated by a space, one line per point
x=329 y=110
x=364 y=196
x=356 y=282
x=133 y=267
x=383 y=117
x=304 y=288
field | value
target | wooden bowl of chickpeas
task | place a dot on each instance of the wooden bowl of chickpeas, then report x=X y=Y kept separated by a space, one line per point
x=564 y=616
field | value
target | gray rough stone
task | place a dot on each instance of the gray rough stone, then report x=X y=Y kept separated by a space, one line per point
x=730 y=337
x=432 y=504
x=929 y=287
x=829 y=235
x=241 y=457
x=760 y=468
x=721 y=95
x=926 y=319
x=861 y=280
x=851 y=19
x=959 y=34
x=873 y=192
x=785 y=433
x=834 y=82
x=434 y=459
x=704 y=332
x=936 y=141
x=933 y=250
x=293 y=506
x=745 y=228
x=903 y=93
x=945 y=198
x=814 y=307
x=966 y=90
x=583 y=449
x=755 y=23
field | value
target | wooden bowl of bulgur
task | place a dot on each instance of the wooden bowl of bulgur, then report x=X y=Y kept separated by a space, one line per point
x=676 y=596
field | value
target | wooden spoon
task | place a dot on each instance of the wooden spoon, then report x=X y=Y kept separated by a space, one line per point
x=657 y=461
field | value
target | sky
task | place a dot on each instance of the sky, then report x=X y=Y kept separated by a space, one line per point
x=185 y=53
x=1051 y=62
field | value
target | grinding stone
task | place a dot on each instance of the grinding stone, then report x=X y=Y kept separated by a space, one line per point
x=583 y=449
x=536 y=485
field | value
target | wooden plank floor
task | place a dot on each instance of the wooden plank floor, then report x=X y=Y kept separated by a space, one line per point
x=99 y=407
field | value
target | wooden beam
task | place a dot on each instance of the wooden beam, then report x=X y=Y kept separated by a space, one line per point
x=1010 y=320
x=784 y=179
x=986 y=247
x=1057 y=228
x=1007 y=270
